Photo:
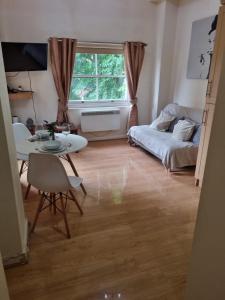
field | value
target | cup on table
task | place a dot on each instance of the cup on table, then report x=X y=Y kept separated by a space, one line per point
x=66 y=132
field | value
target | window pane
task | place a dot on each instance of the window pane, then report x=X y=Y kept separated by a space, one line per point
x=83 y=89
x=85 y=64
x=111 y=88
x=110 y=64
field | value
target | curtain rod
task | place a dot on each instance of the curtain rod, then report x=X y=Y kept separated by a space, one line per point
x=93 y=42
x=60 y=39
x=107 y=43
x=110 y=43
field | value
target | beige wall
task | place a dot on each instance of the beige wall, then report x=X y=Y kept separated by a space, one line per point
x=13 y=224
x=207 y=272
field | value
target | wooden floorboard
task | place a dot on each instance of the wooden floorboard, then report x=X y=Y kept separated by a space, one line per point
x=133 y=241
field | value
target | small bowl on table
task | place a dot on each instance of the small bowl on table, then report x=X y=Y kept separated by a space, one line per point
x=42 y=134
x=52 y=145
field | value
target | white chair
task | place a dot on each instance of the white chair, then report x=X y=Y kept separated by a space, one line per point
x=21 y=133
x=46 y=173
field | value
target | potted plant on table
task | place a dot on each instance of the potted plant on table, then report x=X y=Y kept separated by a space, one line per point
x=51 y=128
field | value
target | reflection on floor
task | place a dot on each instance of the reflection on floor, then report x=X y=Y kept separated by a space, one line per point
x=133 y=242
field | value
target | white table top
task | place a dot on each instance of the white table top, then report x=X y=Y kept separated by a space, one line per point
x=75 y=142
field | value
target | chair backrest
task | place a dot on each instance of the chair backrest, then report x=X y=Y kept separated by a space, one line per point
x=21 y=132
x=46 y=172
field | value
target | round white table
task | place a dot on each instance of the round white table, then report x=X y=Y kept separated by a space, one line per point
x=73 y=143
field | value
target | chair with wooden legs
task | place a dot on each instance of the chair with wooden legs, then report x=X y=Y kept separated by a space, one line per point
x=21 y=133
x=46 y=173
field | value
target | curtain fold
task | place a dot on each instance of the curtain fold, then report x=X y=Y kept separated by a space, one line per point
x=134 y=55
x=62 y=56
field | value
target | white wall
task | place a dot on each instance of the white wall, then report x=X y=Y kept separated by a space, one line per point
x=160 y=27
x=165 y=28
x=86 y=20
x=185 y=91
x=170 y=26
x=166 y=32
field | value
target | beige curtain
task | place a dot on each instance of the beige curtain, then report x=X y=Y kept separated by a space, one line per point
x=62 y=55
x=134 y=55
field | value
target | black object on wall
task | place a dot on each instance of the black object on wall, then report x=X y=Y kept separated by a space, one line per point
x=25 y=56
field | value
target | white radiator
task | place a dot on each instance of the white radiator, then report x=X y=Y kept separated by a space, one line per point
x=102 y=119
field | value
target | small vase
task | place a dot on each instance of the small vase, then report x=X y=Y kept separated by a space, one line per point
x=53 y=135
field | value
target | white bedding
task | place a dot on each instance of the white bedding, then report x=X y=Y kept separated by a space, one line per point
x=173 y=153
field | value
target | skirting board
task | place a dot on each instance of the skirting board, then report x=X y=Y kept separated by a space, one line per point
x=105 y=138
x=21 y=258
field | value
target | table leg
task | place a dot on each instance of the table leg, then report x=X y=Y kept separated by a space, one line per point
x=27 y=191
x=75 y=172
x=21 y=168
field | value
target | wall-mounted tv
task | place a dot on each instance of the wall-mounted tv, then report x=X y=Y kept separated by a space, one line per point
x=25 y=56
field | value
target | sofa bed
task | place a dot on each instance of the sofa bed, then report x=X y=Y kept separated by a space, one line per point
x=174 y=152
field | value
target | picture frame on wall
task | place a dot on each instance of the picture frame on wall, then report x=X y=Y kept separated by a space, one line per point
x=201 y=47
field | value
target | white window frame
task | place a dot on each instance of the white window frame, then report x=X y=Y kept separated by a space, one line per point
x=98 y=48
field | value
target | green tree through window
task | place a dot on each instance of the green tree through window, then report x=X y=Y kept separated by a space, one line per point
x=98 y=77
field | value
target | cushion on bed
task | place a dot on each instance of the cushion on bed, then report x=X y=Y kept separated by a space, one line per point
x=196 y=135
x=173 y=123
x=183 y=130
x=162 y=123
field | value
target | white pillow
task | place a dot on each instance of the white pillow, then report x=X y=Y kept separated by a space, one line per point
x=162 y=123
x=183 y=130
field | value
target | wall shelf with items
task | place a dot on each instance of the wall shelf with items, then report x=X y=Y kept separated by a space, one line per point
x=23 y=95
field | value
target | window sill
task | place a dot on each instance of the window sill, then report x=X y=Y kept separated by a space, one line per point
x=89 y=104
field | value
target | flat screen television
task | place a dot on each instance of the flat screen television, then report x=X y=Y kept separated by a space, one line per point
x=25 y=56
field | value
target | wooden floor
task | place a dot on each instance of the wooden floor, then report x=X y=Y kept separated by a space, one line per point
x=133 y=241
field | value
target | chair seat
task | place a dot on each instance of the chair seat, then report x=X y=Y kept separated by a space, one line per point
x=75 y=181
x=22 y=156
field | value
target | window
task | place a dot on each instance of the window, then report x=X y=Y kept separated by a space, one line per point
x=99 y=75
